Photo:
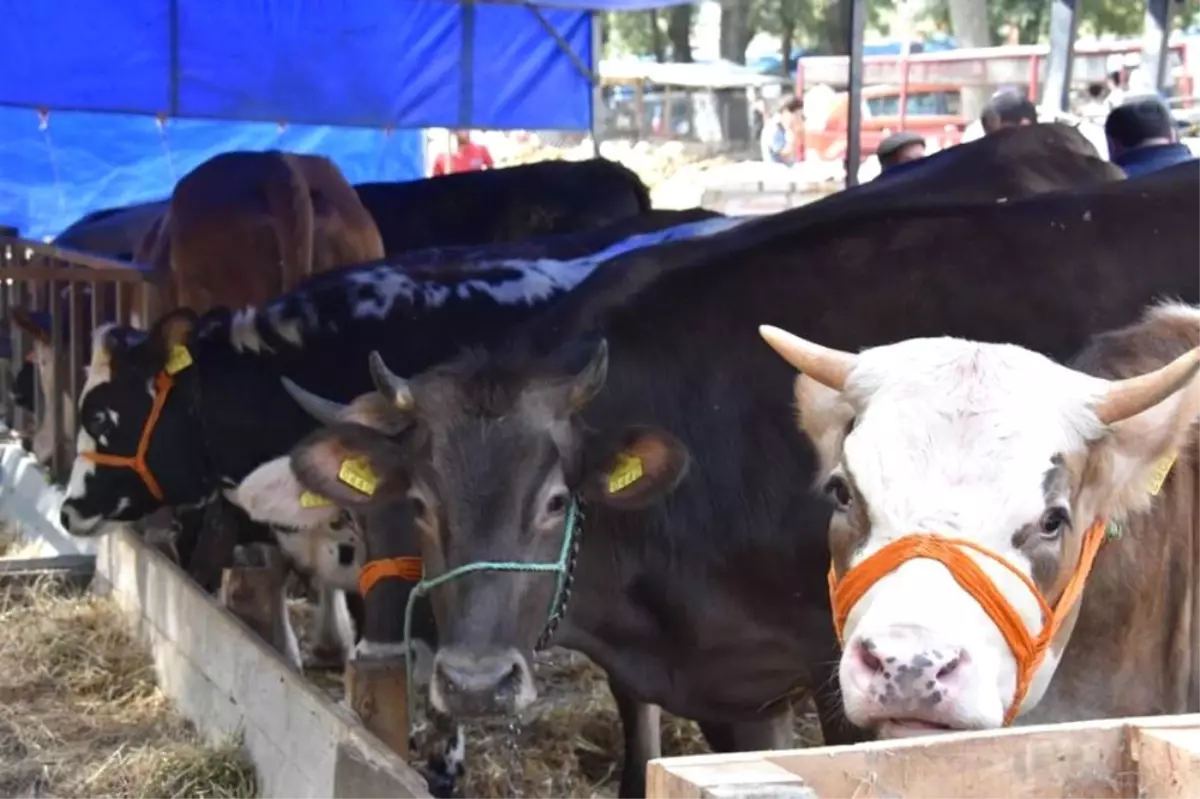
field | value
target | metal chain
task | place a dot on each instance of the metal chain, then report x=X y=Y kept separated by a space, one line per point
x=564 y=596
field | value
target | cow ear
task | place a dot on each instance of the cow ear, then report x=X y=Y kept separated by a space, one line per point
x=352 y=465
x=646 y=466
x=272 y=494
x=1127 y=468
x=825 y=417
x=169 y=338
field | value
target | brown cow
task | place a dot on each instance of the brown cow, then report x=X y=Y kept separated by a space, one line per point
x=977 y=489
x=244 y=227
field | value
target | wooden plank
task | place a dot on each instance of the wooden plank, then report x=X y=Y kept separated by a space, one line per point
x=1056 y=761
x=1168 y=762
x=227 y=680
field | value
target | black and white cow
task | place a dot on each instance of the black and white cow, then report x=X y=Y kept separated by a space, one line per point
x=180 y=415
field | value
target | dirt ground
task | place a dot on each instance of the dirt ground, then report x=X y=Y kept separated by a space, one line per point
x=569 y=744
x=80 y=714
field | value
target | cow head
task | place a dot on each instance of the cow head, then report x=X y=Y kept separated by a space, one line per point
x=490 y=459
x=971 y=484
x=126 y=382
x=41 y=365
x=273 y=495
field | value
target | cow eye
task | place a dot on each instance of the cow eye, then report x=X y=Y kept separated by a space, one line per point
x=838 y=491
x=418 y=507
x=557 y=503
x=1054 y=521
x=101 y=422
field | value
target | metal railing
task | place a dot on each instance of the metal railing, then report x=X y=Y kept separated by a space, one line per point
x=81 y=289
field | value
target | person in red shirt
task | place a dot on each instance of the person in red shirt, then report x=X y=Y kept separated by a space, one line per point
x=467 y=156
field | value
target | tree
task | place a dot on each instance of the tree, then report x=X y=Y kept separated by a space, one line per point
x=793 y=21
x=679 y=32
x=735 y=29
x=972 y=28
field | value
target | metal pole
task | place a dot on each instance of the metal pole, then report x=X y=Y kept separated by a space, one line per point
x=858 y=25
x=1156 y=32
x=598 y=115
x=1063 y=23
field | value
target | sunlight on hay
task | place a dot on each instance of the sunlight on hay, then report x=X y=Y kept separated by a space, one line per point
x=80 y=714
x=569 y=744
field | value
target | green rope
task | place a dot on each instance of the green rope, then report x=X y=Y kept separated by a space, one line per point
x=560 y=567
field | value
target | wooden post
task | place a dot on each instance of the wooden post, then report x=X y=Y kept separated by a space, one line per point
x=252 y=590
x=378 y=692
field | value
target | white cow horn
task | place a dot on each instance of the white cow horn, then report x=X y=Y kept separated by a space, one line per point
x=325 y=411
x=1131 y=396
x=828 y=367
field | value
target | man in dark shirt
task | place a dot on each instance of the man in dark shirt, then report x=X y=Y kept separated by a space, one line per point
x=1142 y=137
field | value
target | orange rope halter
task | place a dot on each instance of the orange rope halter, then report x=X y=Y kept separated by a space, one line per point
x=1027 y=650
x=409 y=569
x=162 y=387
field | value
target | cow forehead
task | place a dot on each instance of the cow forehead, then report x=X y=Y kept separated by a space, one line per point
x=962 y=433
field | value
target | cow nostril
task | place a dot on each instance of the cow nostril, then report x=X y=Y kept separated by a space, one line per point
x=949 y=668
x=865 y=649
x=345 y=554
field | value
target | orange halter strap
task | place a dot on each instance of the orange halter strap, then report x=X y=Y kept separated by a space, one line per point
x=409 y=569
x=163 y=384
x=1027 y=649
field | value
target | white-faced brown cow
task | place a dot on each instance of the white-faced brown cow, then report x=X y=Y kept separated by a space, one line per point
x=979 y=489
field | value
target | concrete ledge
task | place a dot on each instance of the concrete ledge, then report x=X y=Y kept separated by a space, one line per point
x=77 y=570
x=33 y=503
x=226 y=680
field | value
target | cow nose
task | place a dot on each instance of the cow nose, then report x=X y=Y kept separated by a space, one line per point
x=907 y=670
x=346 y=553
x=492 y=684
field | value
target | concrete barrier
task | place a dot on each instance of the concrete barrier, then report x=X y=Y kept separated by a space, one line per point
x=226 y=680
x=33 y=503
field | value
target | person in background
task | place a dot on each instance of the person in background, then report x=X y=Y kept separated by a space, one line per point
x=1095 y=107
x=1142 y=137
x=758 y=120
x=900 y=148
x=467 y=156
x=778 y=136
x=1007 y=110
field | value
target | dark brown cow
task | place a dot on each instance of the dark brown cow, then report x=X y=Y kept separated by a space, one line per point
x=244 y=227
x=700 y=581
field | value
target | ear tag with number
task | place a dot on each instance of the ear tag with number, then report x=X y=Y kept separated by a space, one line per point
x=310 y=500
x=1159 y=475
x=178 y=360
x=356 y=473
x=627 y=472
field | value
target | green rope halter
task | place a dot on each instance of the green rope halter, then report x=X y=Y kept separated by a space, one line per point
x=560 y=567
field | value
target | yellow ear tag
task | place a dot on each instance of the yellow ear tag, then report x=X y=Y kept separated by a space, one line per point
x=627 y=472
x=1159 y=475
x=357 y=474
x=179 y=360
x=310 y=500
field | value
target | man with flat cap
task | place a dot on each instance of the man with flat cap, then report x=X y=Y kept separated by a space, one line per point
x=900 y=148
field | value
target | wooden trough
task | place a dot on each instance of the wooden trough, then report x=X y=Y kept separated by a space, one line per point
x=220 y=675
x=1120 y=758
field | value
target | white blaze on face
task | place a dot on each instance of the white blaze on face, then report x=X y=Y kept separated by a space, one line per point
x=990 y=444
x=99 y=372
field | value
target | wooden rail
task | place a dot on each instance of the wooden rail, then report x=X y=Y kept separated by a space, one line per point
x=1155 y=756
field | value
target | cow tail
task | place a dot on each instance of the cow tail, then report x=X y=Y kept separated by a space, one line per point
x=291 y=209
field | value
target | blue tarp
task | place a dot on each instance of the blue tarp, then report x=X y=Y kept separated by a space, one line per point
x=370 y=64
x=373 y=63
x=82 y=162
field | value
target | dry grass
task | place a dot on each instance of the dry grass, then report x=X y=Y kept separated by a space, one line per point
x=80 y=714
x=12 y=545
x=569 y=744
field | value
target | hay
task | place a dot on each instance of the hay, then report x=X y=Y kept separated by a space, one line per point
x=569 y=743
x=80 y=714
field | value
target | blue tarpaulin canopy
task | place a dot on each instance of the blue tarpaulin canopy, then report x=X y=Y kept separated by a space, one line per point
x=347 y=76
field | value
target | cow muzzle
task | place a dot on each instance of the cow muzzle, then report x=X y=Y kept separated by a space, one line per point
x=1028 y=650
x=495 y=683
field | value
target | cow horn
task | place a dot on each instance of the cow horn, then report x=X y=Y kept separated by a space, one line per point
x=1131 y=396
x=389 y=384
x=828 y=367
x=325 y=411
